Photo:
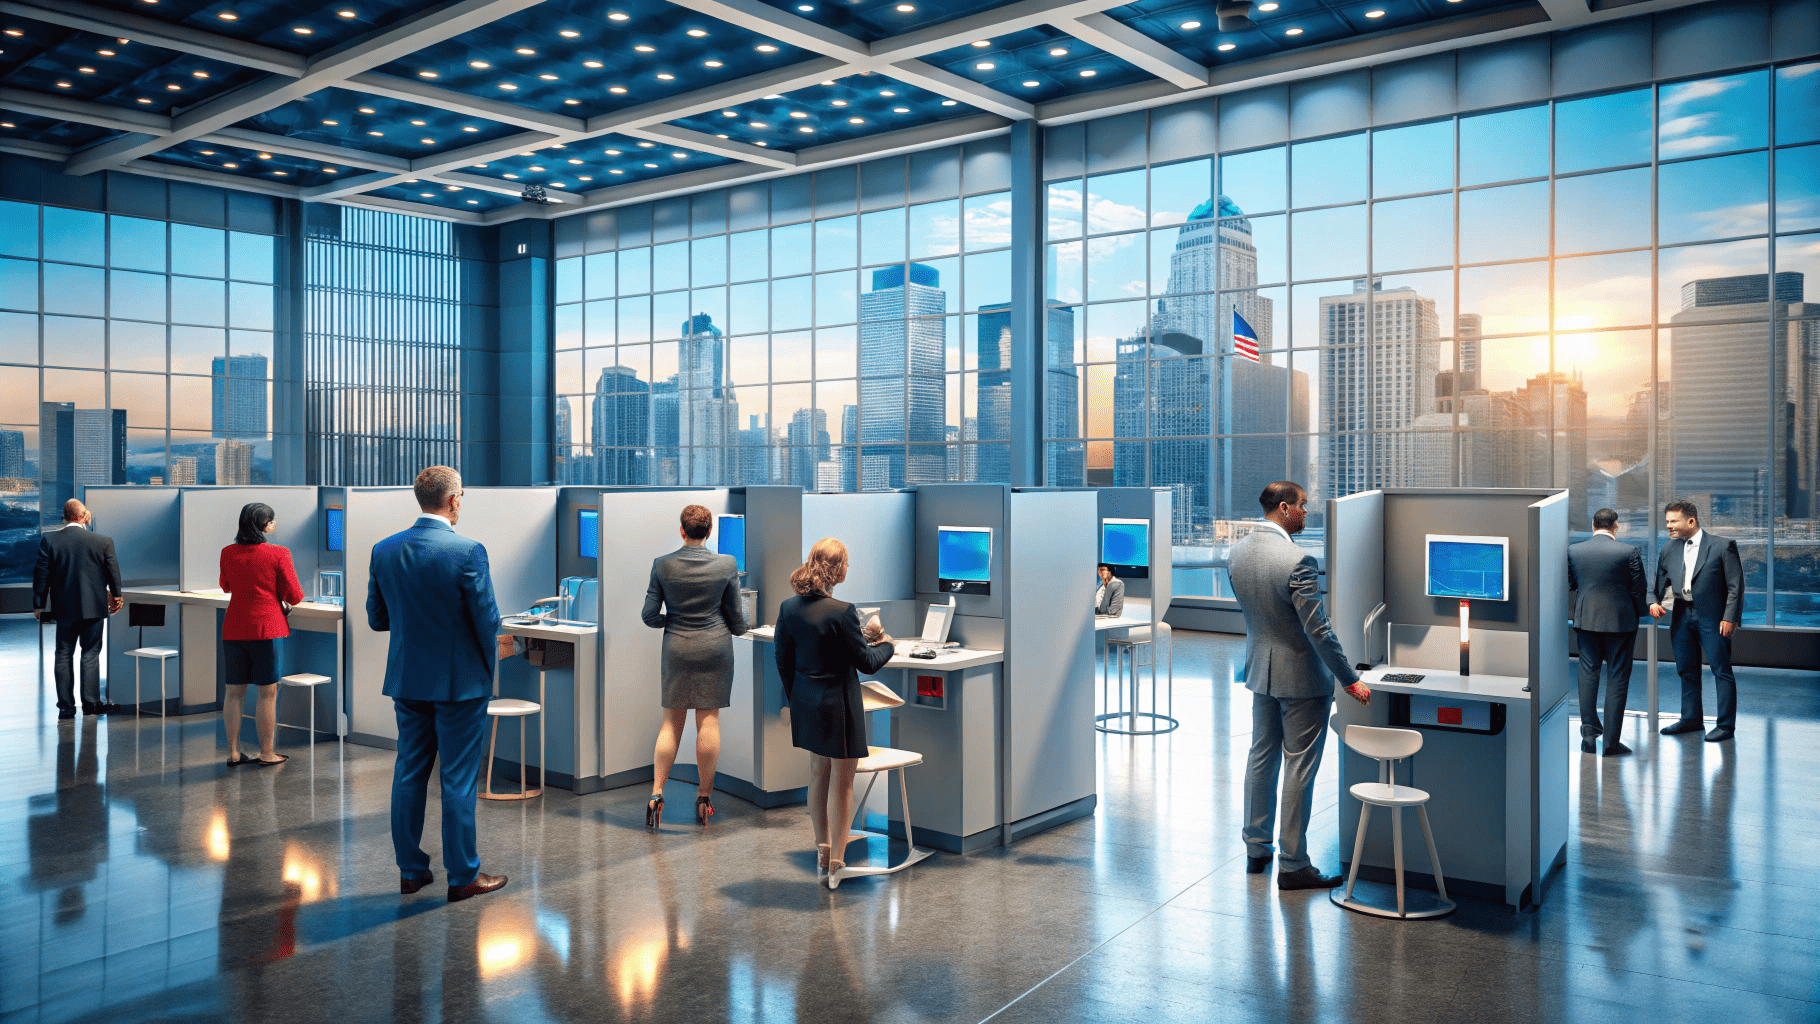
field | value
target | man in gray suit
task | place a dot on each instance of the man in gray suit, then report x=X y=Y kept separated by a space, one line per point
x=1291 y=659
x=1110 y=599
x=1611 y=596
x=76 y=584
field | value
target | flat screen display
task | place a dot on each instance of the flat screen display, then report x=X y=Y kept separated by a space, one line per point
x=1125 y=545
x=1468 y=568
x=334 y=528
x=733 y=539
x=587 y=532
x=963 y=558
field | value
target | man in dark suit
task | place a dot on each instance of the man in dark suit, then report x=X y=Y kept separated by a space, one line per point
x=79 y=577
x=432 y=590
x=1612 y=595
x=1699 y=578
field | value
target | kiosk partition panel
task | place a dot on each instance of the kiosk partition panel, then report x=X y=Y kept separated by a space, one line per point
x=143 y=521
x=373 y=514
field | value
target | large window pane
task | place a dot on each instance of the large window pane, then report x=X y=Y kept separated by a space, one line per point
x=1328 y=171
x=1797 y=97
x=988 y=279
x=669 y=310
x=1116 y=267
x=1693 y=275
x=75 y=236
x=708 y=261
x=568 y=280
x=1602 y=291
x=1504 y=146
x=935 y=229
x=601 y=275
x=1798 y=188
x=18 y=229
x=836 y=243
x=1109 y=324
x=75 y=341
x=195 y=349
x=1596 y=212
x=749 y=360
x=1408 y=233
x=634 y=317
x=1509 y=299
x=1416 y=158
x=1718 y=198
x=1270 y=244
x=1714 y=115
x=837 y=297
x=250 y=257
x=1115 y=202
x=988 y=221
x=200 y=252
x=1255 y=181
x=1062 y=272
x=136 y=296
x=836 y=353
x=569 y=325
x=634 y=270
x=881 y=236
x=1509 y=223
x=19 y=338
x=19 y=395
x=136 y=244
x=1176 y=190
x=19 y=284
x=792 y=303
x=136 y=346
x=1063 y=208
x=1602 y=131
x=196 y=301
x=141 y=395
x=250 y=305
x=601 y=321
x=749 y=307
x=749 y=256
x=669 y=266
x=792 y=356
x=86 y=388
x=79 y=290
x=1329 y=243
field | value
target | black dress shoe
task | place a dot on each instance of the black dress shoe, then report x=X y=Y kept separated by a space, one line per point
x=1684 y=725
x=107 y=708
x=1616 y=749
x=1718 y=735
x=480 y=884
x=1589 y=746
x=1308 y=878
x=1257 y=865
x=66 y=713
x=410 y=885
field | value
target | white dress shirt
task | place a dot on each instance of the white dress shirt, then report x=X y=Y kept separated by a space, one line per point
x=432 y=515
x=1690 y=557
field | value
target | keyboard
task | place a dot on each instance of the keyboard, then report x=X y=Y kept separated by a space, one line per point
x=1401 y=677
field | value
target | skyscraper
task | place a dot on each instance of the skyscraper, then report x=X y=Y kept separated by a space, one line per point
x=77 y=447
x=666 y=460
x=809 y=446
x=621 y=428
x=992 y=463
x=12 y=454
x=237 y=396
x=233 y=462
x=707 y=413
x=903 y=386
x=1377 y=376
x=1064 y=467
x=183 y=470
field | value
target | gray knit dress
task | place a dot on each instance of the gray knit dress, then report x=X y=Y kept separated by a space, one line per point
x=694 y=599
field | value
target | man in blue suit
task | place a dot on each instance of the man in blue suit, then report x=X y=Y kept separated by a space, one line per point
x=1700 y=586
x=431 y=589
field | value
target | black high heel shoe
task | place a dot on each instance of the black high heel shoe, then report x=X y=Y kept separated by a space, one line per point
x=704 y=809
x=654 y=813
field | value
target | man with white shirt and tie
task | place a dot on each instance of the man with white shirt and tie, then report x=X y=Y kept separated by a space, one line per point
x=1700 y=586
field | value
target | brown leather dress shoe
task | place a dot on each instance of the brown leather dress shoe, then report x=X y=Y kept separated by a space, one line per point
x=411 y=885
x=480 y=884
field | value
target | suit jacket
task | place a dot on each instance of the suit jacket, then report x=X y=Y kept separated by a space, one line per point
x=431 y=588
x=1718 y=591
x=821 y=650
x=693 y=589
x=1607 y=576
x=1113 y=601
x=75 y=574
x=1290 y=647
x=259 y=576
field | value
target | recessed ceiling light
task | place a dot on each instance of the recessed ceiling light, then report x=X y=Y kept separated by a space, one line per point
x=1374 y=14
x=345 y=14
x=900 y=110
x=228 y=16
x=569 y=33
x=680 y=156
x=650 y=165
x=985 y=65
x=616 y=88
x=612 y=152
x=697 y=33
x=559 y=146
x=557 y=184
x=757 y=124
x=647 y=145
x=572 y=103
x=479 y=165
x=366 y=110
x=377 y=135
x=105 y=53
x=615 y=171
x=426 y=74
x=574 y=161
x=1267 y=8
x=886 y=92
x=711 y=63
x=645 y=49
x=330 y=170
x=231 y=166
x=7 y=124
x=805 y=8
x=174 y=88
x=1089 y=73
x=1190 y=26
x=508 y=86
x=1293 y=32
x=729 y=113
x=301 y=30
x=982 y=42
x=525 y=51
x=426 y=195
x=265 y=156
x=905 y=8
x=208 y=152
x=949 y=103
x=63 y=85
x=840 y=103
x=1059 y=51
x=617 y=16
x=86 y=71
x=481 y=64
x=473 y=202
x=451 y=188
x=856 y=120
x=761 y=142
x=1223 y=47
x=331 y=122
x=534 y=167
x=591 y=64
x=828 y=81
x=142 y=99
x=427 y=142
x=469 y=128
x=798 y=113
x=583 y=177
x=281 y=173
x=806 y=130
x=1030 y=84
x=420 y=124
x=665 y=77
x=199 y=74
x=766 y=48
x=547 y=78
x=513 y=176
x=722 y=135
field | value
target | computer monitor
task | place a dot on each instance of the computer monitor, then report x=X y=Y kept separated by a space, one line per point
x=733 y=539
x=963 y=559
x=587 y=532
x=1468 y=568
x=1125 y=546
x=334 y=528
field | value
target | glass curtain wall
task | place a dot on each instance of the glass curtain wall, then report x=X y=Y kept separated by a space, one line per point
x=851 y=332
x=132 y=350
x=1608 y=293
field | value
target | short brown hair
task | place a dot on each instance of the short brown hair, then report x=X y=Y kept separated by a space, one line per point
x=1687 y=508
x=434 y=485
x=825 y=567
x=1280 y=492
x=697 y=522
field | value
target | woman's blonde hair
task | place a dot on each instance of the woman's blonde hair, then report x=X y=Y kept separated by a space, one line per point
x=827 y=566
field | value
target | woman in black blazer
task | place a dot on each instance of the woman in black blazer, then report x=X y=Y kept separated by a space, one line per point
x=821 y=651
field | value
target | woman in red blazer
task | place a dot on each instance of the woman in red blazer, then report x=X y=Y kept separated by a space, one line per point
x=259 y=575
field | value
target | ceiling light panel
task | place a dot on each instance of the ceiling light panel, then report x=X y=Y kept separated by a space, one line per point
x=42 y=56
x=1030 y=55
x=55 y=132
x=876 y=19
x=402 y=126
x=468 y=200
x=606 y=65
x=1319 y=22
x=254 y=164
x=854 y=107
x=596 y=163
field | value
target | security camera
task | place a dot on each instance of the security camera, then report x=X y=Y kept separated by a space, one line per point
x=1234 y=15
x=536 y=194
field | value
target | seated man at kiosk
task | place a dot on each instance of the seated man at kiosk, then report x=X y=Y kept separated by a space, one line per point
x=1290 y=650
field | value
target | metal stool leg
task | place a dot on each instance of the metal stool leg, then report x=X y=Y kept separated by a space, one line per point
x=163 y=711
x=1434 y=859
x=492 y=745
x=524 y=772
x=1396 y=843
x=136 y=662
x=1358 y=848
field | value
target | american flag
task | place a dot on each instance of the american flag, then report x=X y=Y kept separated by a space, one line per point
x=1244 y=339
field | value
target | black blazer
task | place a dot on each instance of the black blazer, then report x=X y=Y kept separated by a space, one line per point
x=1607 y=576
x=1718 y=591
x=821 y=652
x=75 y=574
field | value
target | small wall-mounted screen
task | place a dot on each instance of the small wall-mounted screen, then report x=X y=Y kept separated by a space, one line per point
x=1469 y=568
x=733 y=539
x=1125 y=545
x=963 y=559
x=334 y=529
x=587 y=532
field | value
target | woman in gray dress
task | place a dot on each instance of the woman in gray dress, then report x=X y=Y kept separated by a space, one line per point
x=694 y=599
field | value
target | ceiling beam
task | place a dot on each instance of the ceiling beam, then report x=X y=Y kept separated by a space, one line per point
x=305 y=150
x=713 y=97
x=374 y=83
x=390 y=205
x=996 y=21
x=504 y=188
x=429 y=166
x=1135 y=48
x=924 y=75
x=326 y=69
x=28 y=147
x=69 y=108
x=176 y=172
x=162 y=34
x=763 y=19
x=701 y=142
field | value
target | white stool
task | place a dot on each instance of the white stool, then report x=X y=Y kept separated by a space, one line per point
x=1387 y=747
x=1123 y=652
x=163 y=655
x=513 y=707
x=878 y=697
x=309 y=681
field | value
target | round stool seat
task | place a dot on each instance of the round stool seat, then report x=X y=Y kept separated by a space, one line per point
x=153 y=652
x=303 y=679
x=885 y=759
x=1389 y=796
x=511 y=707
x=878 y=697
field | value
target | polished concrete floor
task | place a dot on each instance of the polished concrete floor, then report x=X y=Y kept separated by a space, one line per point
x=142 y=881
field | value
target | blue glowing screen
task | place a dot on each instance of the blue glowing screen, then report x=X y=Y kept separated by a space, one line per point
x=334 y=529
x=587 y=532
x=1469 y=568
x=733 y=539
x=1125 y=543
x=963 y=554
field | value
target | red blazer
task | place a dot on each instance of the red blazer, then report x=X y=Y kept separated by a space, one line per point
x=259 y=576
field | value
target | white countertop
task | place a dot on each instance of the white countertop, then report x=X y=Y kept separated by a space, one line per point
x=1442 y=683
x=219 y=599
x=949 y=660
x=547 y=631
x=1103 y=623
